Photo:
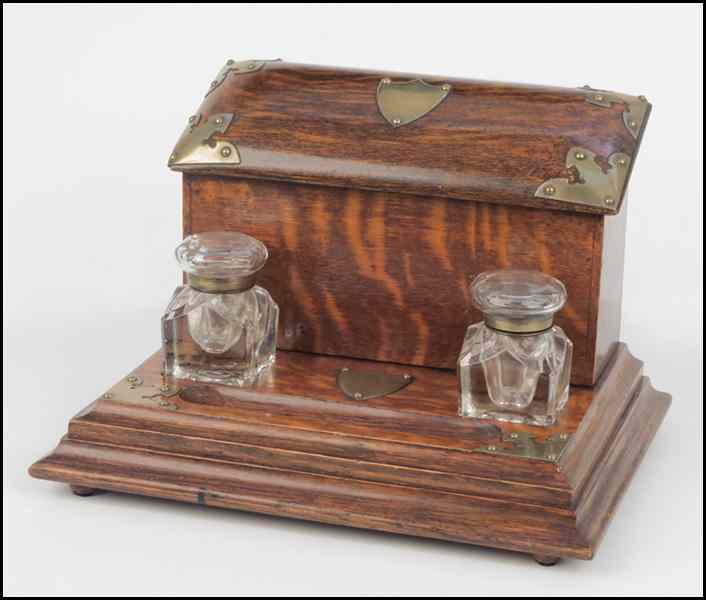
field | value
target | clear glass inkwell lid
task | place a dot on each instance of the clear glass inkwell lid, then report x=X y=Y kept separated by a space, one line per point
x=518 y=301
x=221 y=261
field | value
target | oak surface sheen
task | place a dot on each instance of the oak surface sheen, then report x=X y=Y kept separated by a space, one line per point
x=375 y=231
x=374 y=234
x=295 y=446
x=486 y=142
x=384 y=276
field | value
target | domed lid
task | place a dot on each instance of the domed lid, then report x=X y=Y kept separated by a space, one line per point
x=518 y=301
x=221 y=261
x=565 y=148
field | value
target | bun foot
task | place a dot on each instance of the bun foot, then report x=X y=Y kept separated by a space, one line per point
x=546 y=561
x=83 y=491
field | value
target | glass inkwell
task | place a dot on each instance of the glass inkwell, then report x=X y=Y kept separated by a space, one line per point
x=220 y=327
x=516 y=364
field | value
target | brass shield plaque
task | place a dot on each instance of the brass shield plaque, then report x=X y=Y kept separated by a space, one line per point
x=364 y=385
x=401 y=103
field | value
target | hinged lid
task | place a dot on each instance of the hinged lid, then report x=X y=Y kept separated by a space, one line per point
x=559 y=148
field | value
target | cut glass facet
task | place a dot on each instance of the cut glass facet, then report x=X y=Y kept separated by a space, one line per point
x=220 y=328
x=516 y=365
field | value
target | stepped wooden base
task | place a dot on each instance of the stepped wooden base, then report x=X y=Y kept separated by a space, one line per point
x=294 y=446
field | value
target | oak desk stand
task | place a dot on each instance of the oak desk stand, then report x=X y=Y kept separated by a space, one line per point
x=295 y=446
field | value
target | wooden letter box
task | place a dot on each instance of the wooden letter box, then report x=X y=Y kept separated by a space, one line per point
x=379 y=196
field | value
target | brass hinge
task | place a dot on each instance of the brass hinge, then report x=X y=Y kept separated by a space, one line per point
x=590 y=184
x=526 y=445
x=634 y=107
x=196 y=146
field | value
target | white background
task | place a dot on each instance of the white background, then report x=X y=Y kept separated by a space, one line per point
x=94 y=97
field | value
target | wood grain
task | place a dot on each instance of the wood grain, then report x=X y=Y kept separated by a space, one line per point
x=298 y=408
x=384 y=276
x=374 y=234
x=390 y=508
x=488 y=141
x=322 y=457
x=618 y=462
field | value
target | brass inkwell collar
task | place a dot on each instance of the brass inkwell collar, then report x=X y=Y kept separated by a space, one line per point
x=518 y=301
x=221 y=262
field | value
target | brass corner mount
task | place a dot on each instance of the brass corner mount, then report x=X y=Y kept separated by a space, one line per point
x=526 y=445
x=134 y=389
x=590 y=185
x=196 y=146
x=634 y=107
x=237 y=67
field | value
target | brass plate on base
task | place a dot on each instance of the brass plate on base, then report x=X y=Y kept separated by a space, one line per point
x=364 y=385
x=526 y=445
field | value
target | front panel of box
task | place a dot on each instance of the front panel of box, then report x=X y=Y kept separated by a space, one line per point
x=386 y=276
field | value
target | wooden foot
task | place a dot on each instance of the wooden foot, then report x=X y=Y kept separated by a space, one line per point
x=83 y=491
x=546 y=561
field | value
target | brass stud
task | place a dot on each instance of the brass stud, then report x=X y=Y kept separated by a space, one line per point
x=192 y=118
x=386 y=81
x=563 y=436
x=633 y=124
x=579 y=155
x=407 y=376
x=108 y=396
x=132 y=379
x=164 y=388
x=357 y=395
x=622 y=162
x=446 y=87
x=345 y=370
x=550 y=190
x=214 y=83
x=226 y=151
x=514 y=436
x=219 y=121
x=251 y=66
x=551 y=456
x=173 y=156
x=598 y=98
x=230 y=61
x=642 y=98
x=396 y=121
x=491 y=448
x=609 y=200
